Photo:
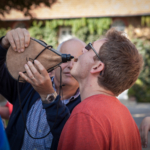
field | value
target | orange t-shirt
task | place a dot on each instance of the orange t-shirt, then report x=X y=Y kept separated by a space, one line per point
x=100 y=122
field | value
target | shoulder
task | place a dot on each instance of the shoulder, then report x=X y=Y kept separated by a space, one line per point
x=100 y=106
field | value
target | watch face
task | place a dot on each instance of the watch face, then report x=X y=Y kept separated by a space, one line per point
x=51 y=98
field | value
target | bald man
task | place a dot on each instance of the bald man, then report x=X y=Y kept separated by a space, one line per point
x=40 y=113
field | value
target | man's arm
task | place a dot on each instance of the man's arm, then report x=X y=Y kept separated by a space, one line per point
x=8 y=86
x=82 y=132
x=144 y=130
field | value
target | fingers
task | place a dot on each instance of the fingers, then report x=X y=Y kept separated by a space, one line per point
x=32 y=76
x=144 y=135
x=39 y=75
x=32 y=71
x=42 y=84
x=27 y=37
x=144 y=130
x=18 y=39
x=41 y=68
x=10 y=39
x=21 y=40
x=25 y=77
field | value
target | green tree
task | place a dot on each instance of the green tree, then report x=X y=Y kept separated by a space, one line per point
x=86 y=29
x=141 y=89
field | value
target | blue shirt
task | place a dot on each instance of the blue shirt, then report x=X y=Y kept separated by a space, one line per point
x=37 y=125
x=3 y=139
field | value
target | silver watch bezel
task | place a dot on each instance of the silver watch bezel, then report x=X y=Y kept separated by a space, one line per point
x=49 y=95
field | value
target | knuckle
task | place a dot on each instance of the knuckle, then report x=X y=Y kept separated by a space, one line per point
x=17 y=40
x=11 y=41
x=36 y=84
x=42 y=81
x=18 y=29
x=24 y=29
x=26 y=78
x=27 y=34
x=35 y=73
x=22 y=39
x=41 y=69
x=13 y=45
x=10 y=32
x=47 y=78
x=30 y=76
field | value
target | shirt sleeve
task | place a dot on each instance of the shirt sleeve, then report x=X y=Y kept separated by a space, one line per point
x=57 y=114
x=82 y=132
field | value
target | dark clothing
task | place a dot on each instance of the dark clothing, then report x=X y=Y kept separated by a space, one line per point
x=16 y=127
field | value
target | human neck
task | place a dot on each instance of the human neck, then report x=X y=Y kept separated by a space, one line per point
x=67 y=91
x=88 y=89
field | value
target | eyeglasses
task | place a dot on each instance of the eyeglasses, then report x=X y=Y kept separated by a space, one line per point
x=90 y=46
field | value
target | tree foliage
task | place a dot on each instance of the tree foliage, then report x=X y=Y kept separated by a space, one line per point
x=22 y=5
x=86 y=29
x=141 y=89
x=145 y=21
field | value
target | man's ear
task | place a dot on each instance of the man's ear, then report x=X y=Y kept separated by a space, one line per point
x=97 y=68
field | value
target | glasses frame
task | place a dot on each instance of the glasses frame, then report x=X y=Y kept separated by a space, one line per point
x=90 y=46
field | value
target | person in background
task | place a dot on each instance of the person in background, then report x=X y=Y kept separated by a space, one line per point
x=5 y=111
x=4 y=145
x=144 y=130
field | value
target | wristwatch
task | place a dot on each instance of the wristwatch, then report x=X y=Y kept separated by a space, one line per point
x=50 y=98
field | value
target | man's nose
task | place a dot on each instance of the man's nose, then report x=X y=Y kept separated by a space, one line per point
x=70 y=64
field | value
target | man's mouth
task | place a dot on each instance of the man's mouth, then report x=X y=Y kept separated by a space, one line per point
x=67 y=74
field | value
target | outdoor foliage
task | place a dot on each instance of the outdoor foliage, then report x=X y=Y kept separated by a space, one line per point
x=85 y=29
x=141 y=89
x=3 y=31
x=145 y=21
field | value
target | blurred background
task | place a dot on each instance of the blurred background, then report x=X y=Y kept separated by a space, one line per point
x=55 y=21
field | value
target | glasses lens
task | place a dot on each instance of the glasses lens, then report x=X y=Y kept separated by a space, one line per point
x=88 y=47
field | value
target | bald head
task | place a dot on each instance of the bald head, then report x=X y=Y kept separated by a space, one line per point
x=70 y=45
x=73 y=47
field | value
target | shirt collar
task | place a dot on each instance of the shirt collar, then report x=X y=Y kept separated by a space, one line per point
x=72 y=98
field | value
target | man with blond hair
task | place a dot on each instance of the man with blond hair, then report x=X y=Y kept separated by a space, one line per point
x=106 y=68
